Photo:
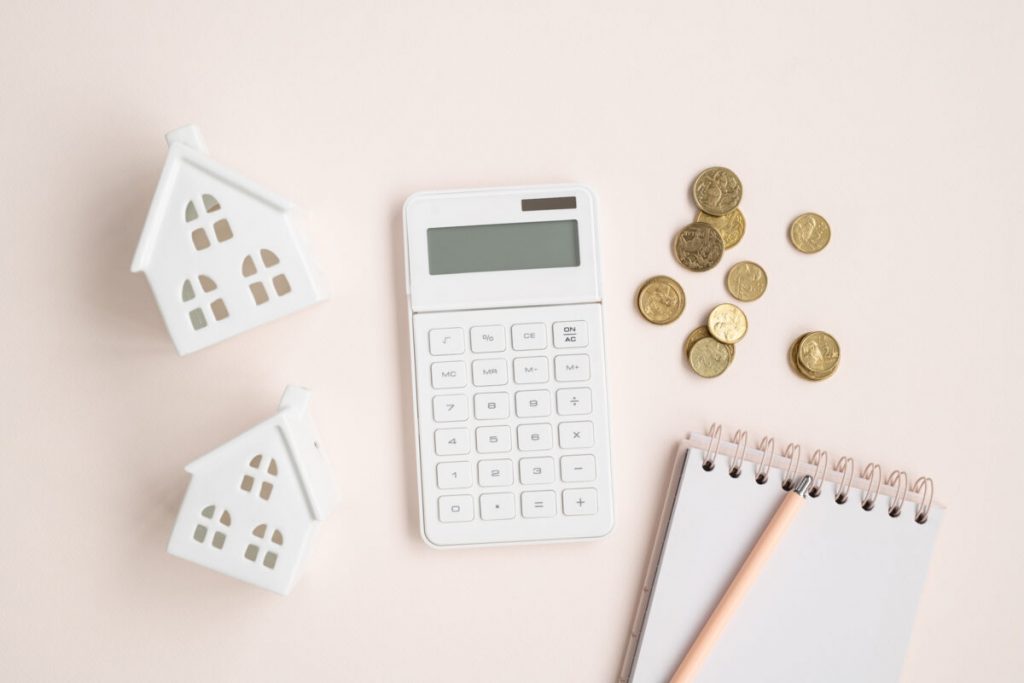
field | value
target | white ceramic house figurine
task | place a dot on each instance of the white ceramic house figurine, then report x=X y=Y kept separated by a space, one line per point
x=252 y=504
x=221 y=255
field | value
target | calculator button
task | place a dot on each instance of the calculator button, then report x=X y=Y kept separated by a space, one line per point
x=455 y=508
x=576 y=434
x=493 y=439
x=447 y=341
x=579 y=501
x=538 y=504
x=536 y=470
x=451 y=441
x=529 y=337
x=491 y=406
x=533 y=370
x=573 y=401
x=574 y=368
x=570 y=334
x=533 y=403
x=534 y=437
x=497 y=506
x=454 y=475
x=491 y=372
x=450 y=375
x=451 y=408
x=487 y=338
x=577 y=468
x=494 y=472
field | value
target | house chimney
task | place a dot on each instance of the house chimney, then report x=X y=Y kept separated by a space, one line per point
x=188 y=135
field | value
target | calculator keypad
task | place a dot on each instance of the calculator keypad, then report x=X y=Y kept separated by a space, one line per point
x=513 y=424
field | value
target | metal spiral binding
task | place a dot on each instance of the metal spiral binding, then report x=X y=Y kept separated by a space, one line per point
x=897 y=482
x=736 y=460
x=820 y=461
x=767 y=448
x=845 y=466
x=873 y=473
x=792 y=454
x=925 y=488
x=715 y=435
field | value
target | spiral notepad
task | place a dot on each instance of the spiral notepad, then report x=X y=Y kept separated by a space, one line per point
x=838 y=597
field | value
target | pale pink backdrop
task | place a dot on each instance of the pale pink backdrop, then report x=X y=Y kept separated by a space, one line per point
x=900 y=122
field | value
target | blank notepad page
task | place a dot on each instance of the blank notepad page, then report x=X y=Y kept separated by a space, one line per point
x=836 y=601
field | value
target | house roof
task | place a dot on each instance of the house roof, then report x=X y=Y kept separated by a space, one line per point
x=296 y=426
x=186 y=147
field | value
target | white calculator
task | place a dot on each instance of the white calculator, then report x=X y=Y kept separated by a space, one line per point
x=510 y=395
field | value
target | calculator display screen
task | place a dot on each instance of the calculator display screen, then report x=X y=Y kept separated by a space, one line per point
x=506 y=246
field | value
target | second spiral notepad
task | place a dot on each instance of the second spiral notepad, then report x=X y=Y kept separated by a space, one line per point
x=836 y=601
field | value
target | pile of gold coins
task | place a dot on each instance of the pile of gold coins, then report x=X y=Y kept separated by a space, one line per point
x=699 y=247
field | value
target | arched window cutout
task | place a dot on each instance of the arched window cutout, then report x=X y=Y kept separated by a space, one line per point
x=208 y=523
x=201 y=234
x=260 y=474
x=260 y=546
x=215 y=307
x=260 y=286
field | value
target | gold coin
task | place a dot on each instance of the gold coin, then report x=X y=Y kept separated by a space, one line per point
x=698 y=247
x=709 y=357
x=818 y=353
x=727 y=323
x=794 y=363
x=809 y=233
x=702 y=332
x=717 y=191
x=731 y=226
x=746 y=281
x=661 y=300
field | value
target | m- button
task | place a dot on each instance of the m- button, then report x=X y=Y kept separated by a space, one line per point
x=571 y=334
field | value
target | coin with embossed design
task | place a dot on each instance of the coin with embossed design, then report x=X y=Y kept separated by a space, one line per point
x=799 y=369
x=717 y=191
x=702 y=332
x=661 y=300
x=698 y=247
x=727 y=323
x=746 y=281
x=809 y=233
x=709 y=357
x=731 y=226
x=818 y=353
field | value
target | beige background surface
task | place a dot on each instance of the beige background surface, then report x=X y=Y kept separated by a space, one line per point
x=898 y=121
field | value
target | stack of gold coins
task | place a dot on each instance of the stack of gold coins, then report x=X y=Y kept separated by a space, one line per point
x=814 y=356
x=719 y=224
x=710 y=349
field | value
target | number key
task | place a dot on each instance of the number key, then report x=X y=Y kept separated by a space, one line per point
x=451 y=408
x=491 y=406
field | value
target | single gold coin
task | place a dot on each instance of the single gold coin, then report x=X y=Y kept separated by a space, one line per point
x=746 y=281
x=698 y=247
x=731 y=226
x=661 y=300
x=818 y=353
x=809 y=233
x=709 y=357
x=727 y=323
x=717 y=191
x=702 y=332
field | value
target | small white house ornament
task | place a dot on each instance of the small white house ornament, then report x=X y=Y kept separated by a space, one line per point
x=253 y=504
x=221 y=255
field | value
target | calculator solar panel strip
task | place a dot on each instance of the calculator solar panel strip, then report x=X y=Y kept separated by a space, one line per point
x=509 y=384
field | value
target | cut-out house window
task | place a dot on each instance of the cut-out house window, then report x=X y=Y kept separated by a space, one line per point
x=266 y=547
x=202 y=301
x=260 y=273
x=262 y=471
x=205 y=221
x=217 y=521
